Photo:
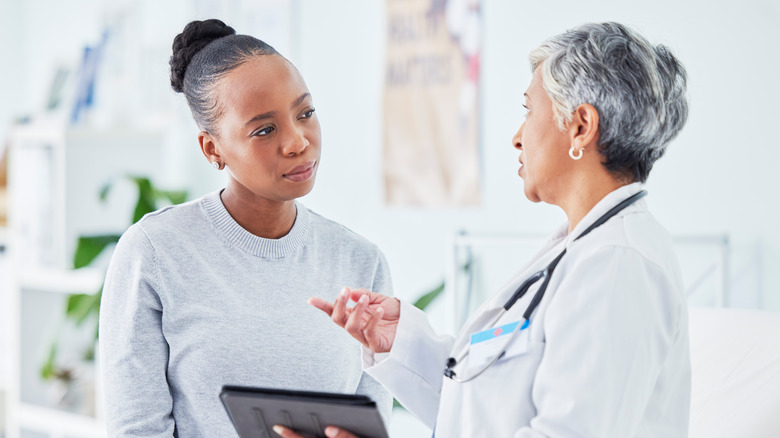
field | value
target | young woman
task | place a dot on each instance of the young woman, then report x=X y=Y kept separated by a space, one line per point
x=201 y=295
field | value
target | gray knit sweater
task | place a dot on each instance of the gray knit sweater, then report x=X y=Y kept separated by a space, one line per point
x=192 y=301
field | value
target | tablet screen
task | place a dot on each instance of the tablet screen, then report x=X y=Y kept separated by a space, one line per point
x=254 y=411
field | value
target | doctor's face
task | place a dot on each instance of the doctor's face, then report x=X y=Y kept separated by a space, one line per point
x=544 y=149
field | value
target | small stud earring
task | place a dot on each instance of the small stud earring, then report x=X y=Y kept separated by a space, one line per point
x=215 y=165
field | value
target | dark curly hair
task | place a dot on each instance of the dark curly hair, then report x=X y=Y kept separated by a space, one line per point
x=204 y=52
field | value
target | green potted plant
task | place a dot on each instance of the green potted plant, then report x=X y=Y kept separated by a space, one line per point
x=85 y=307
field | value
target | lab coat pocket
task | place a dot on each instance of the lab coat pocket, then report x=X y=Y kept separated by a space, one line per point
x=503 y=393
x=518 y=346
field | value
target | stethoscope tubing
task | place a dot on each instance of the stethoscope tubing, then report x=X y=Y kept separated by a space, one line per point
x=546 y=273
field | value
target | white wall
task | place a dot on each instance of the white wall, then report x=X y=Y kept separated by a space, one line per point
x=717 y=177
x=12 y=78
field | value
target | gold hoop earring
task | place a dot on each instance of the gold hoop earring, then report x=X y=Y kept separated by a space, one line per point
x=575 y=157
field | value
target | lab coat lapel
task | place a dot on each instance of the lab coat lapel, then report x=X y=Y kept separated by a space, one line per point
x=490 y=309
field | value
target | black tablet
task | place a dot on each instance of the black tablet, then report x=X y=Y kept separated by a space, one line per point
x=254 y=411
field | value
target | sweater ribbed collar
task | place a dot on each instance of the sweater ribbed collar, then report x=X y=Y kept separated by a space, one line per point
x=230 y=230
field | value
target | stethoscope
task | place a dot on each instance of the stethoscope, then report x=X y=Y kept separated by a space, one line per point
x=545 y=274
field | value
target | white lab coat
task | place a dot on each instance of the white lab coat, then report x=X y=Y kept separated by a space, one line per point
x=605 y=355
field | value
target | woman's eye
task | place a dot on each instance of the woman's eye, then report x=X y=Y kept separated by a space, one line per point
x=307 y=114
x=264 y=131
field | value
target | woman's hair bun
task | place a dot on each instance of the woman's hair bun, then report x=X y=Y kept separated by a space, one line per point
x=195 y=36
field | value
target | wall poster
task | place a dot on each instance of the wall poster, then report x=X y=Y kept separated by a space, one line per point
x=431 y=103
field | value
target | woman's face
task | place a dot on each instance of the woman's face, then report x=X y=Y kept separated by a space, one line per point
x=544 y=158
x=268 y=136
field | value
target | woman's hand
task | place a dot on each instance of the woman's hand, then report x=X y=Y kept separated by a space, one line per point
x=330 y=432
x=372 y=321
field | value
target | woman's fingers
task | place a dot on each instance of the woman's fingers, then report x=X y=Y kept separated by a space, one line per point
x=321 y=304
x=354 y=324
x=370 y=331
x=355 y=294
x=340 y=312
x=372 y=321
x=330 y=432
x=335 y=432
x=287 y=433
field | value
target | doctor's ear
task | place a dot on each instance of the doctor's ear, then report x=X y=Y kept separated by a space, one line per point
x=584 y=126
x=208 y=146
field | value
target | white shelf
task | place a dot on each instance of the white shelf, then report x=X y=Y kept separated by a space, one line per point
x=54 y=182
x=63 y=281
x=58 y=423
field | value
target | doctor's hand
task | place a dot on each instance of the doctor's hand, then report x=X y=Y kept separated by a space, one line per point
x=372 y=321
x=330 y=432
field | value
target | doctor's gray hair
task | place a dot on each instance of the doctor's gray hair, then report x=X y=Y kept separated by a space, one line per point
x=203 y=53
x=638 y=90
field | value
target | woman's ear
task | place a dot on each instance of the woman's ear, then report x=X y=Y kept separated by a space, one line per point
x=209 y=147
x=584 y=127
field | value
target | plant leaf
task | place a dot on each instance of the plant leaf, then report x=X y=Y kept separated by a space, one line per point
x=48 y=369
x=97 y=323
x=96 y=308
x=146 y=198
x=426 y=299
x=89 y=354
x=81 y=306
x=89 y=247
x=78 y=307
x=174 y=196
x=105 y=189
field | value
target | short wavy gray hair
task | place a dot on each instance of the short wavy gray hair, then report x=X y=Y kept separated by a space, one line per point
x=638 y=90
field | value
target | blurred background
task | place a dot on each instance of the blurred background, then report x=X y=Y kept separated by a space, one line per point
x=85 y=100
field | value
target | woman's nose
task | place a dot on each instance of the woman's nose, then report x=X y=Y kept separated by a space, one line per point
x=296 y=143
x=517 y=140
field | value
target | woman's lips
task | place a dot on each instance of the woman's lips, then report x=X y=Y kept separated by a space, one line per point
x=301 y=173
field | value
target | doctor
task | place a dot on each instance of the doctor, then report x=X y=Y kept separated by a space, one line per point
x=590 y=338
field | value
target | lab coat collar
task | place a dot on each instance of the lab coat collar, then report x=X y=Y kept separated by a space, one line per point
x=561 y=239
x=612 y=199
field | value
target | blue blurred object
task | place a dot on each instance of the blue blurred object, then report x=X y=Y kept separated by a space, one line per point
x=87 y=76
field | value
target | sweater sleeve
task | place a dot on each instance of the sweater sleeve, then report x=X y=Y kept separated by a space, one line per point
x=133 y=350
